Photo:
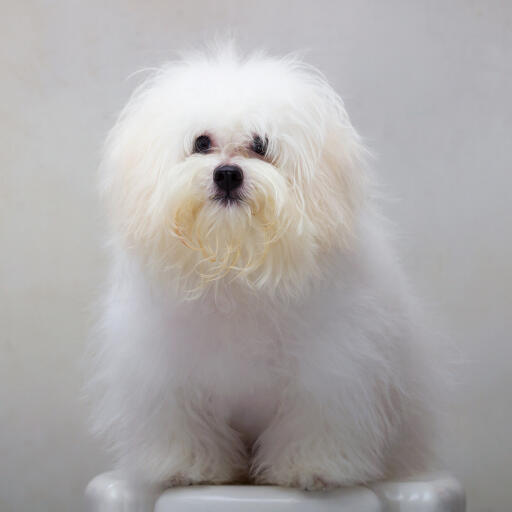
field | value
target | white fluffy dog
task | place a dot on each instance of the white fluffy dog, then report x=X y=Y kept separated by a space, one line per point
x=258 y=327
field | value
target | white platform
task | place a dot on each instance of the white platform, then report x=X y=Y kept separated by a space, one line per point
x=430 y=493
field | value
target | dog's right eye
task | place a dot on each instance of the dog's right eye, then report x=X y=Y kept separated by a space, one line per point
x=202 y=144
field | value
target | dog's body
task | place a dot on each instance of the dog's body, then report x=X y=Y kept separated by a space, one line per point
x=258 y=330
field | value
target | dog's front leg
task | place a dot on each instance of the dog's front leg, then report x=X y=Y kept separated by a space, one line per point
x=181 y=443
x=322 y=441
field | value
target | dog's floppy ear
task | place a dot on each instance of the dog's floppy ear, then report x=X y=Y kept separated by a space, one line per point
x=137 y=151
x=338 y=182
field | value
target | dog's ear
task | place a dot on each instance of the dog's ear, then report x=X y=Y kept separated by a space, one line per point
x=137 y=151
x=337 y=186
x=124 y=186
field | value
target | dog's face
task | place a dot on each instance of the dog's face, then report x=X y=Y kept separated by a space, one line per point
x=223 y=170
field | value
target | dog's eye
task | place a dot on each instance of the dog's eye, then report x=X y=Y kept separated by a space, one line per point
x=259 y=146
x=202 y=144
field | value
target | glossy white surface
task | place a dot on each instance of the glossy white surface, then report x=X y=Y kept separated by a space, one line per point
x=432 y=493
x=265 y=499
x=428 y=493
x=109 y=492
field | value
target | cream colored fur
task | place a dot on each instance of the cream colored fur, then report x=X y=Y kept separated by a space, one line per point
x=272 y=339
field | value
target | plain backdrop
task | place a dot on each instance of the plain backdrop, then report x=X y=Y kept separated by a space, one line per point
x=427 y=83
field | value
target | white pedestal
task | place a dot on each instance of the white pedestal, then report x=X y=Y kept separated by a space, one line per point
x=429 y=493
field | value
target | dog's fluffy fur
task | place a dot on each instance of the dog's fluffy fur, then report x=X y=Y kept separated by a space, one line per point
x=269 y=339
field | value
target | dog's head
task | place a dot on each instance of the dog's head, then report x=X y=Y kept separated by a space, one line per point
x=222 y=169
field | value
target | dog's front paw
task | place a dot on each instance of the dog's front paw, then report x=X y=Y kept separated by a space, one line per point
x=313 y=471
x=205 y=476
x=301 y=479
x=317 y=482
x=185 y=478
x=180 y=480
x=307 y=482
x=164 y=469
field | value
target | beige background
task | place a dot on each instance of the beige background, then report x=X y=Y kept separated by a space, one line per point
x=428 y=83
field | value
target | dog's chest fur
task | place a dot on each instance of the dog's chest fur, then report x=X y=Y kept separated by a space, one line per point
x=237 y=360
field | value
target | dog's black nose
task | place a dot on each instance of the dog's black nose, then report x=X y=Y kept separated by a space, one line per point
x=228 y=177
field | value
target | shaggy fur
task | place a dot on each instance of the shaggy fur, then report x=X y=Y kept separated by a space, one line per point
x=270 y=339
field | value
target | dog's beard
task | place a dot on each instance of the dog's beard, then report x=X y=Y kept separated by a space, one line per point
x=261 y=240
x=233 y=239
x=243 y=241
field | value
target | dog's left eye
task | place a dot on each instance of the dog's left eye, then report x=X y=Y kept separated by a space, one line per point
x=259 y=146
x=202 y=144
